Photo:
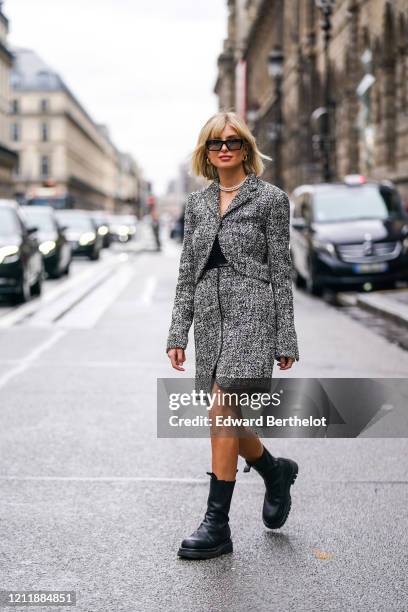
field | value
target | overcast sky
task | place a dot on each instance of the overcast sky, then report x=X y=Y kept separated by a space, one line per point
x=146 y=68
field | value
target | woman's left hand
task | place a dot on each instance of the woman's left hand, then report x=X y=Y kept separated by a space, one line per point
x=285 y=362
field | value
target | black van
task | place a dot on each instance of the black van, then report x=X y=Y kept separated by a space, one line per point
x=347 y=234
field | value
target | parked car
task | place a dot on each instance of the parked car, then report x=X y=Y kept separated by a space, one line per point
x=102 y=221
x=81 y=232
x=54 y=246
x=21 y=263
x=346 y=234
x=123 y=227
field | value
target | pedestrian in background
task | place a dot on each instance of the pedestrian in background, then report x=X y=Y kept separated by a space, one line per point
x=235 y=281
x=155 y=222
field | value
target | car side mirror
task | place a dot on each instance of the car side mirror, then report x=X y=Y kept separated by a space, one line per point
x=63 y=227
x=32 y=229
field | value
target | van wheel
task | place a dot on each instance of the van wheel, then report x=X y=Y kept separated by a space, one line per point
x=297 y=278
x=312 y=287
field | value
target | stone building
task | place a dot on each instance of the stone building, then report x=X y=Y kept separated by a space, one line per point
x=8 y=158
x=368 y=89
x=63 y=153
x=128 y=184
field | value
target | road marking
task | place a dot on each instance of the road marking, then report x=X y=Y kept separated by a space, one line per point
x=105 y=479
x=45 y=317
x=85 y=313
x=165 y=480
x=147 y=295
x=18 y=313
x=31 y=357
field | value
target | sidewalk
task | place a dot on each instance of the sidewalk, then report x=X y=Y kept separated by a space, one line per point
x=390 y=303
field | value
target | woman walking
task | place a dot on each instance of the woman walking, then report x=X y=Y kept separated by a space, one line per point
x=235 y=282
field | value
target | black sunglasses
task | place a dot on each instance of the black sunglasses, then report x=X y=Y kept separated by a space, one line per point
x=233 y=144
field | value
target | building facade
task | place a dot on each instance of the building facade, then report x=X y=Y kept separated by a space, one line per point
x=8 y=158
x=61 y=149
x=362 y=81
x=128 y=185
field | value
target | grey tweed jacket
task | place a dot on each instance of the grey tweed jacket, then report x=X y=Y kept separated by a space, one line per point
x=254 y=236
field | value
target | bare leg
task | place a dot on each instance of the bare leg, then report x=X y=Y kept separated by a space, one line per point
x=229 y=442
x=224 y=447
x=250 y=447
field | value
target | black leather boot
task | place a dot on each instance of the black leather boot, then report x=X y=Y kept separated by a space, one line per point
x=213 y=536
x=278 y=474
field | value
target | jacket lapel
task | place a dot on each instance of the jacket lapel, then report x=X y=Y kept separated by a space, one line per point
x=246 y=192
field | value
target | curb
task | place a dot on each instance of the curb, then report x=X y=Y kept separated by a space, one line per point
x=380 y=304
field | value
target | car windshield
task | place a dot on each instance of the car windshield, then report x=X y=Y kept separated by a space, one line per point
x=343 y=203
x=75 y=221
x=8 y=222
x=43 y=220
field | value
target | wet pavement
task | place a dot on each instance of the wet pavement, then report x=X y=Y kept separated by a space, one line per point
x=92 y=501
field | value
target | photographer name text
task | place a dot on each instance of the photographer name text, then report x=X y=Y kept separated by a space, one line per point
x=259 y=421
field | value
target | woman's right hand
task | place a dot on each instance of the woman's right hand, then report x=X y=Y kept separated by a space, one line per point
x=177 y=357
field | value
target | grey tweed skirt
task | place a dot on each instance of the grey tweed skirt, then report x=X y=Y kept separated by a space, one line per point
x=234 y=331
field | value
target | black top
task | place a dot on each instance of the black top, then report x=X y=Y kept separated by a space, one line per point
x=216 y=256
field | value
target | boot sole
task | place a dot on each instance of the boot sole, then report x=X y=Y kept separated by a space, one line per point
x=295 y=470
x=207 y=553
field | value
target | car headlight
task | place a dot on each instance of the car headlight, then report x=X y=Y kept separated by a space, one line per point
x=324 y=247
x=47 y=246
x=102 y=230
x=9 y=254
x=87 y=237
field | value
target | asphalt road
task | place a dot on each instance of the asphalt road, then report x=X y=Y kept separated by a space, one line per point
x=92 y=501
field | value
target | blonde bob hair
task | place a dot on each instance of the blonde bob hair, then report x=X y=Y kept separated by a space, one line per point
x=213 y=129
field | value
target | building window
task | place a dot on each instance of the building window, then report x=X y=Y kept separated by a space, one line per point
x=15 y=107
x=44 y=105
x=44 y=132
x=45 y=166
x=15 y=132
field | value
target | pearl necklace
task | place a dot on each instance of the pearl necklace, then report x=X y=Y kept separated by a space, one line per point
x=234 y=187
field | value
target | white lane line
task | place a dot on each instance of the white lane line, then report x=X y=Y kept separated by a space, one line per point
x=86 y=313
x=47 y=315
x=52 y=293
x=243 y=481
x=107 y=479
x=31 y=357
x=149 y=289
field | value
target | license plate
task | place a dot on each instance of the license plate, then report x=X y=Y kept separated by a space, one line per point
x=370 y=267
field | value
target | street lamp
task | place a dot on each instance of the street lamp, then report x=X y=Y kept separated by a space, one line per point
x=364 y=120
x=326 y=9
x=275 y=63
x=275 y=70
